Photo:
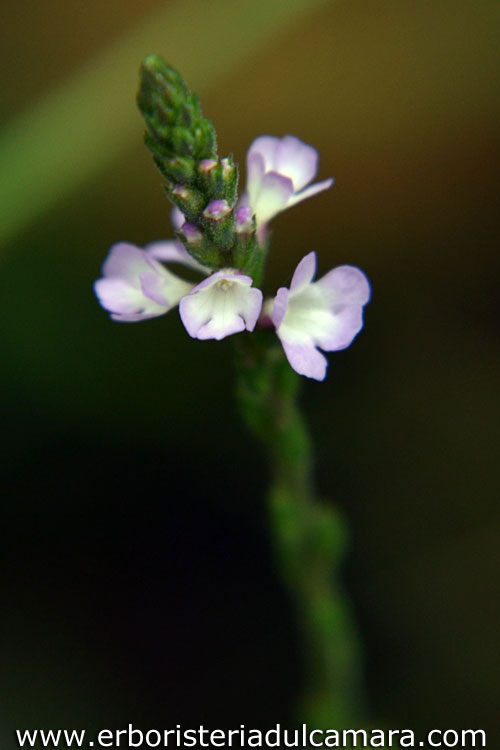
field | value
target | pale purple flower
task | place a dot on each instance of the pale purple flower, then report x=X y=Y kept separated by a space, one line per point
x=278 y=171
x=221 y=305
x=325 y=314
x=135 y=286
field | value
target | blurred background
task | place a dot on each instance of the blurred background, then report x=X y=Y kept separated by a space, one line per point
x=137 y=576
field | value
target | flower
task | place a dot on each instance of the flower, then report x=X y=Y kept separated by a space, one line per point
x=221 y=305
x=325 y=314
x=278 y=170
x=135 y=286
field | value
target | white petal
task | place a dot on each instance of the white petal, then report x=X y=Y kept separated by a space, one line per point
x=318 y=187
x=118 y=295
x=304 y=273
x=280 y=306
x=307 y=314
x=255 y=173
x=127 y=262
x=273 y=196
x=345 y=285
x=165 y=289
x=173 y=251
x=306 y=360
x=342 y=328
x=297 y=160
x=265 y=146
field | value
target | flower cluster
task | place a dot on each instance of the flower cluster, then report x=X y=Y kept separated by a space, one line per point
x=309 y=316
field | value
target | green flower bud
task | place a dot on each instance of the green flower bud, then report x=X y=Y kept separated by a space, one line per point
x=177 y=133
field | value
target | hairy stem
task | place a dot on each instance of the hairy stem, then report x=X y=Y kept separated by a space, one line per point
x=309 y=535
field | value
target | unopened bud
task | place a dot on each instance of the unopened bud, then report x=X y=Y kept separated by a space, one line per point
x=188 y=200
x=179 y=168
x=206 y=165
x=182 y=192
x=217 y=210
x=177 y=217
x=227 y=168
x=244 y=219
x=177 y=133
x=191 y=233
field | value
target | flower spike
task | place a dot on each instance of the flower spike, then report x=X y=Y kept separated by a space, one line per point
x=225 y=238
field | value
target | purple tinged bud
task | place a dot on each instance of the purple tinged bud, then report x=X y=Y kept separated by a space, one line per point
x=217 y=210
x=243 y=219
x=191 y=233
x=206 y=165
x=182 y=192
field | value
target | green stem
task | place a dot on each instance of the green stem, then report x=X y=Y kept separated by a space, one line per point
x=309 y=535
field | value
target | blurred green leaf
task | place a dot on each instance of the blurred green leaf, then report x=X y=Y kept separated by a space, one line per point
x=82 y=126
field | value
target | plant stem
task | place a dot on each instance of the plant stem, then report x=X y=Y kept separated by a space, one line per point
x=309 y=535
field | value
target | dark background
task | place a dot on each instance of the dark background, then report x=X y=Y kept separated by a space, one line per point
x=137 y=577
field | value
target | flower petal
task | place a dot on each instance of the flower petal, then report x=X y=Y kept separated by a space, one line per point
x=125 y=302
x=318 y=187
x=304 y=273
x=345 y=285
x=280 y=306
x=118 y=295
x=297 y=160
x=265 y=146
x=165 y=289
x=126 y=261
x=341 y=328
x=306 y=360
x=135 y=317
x=255 y=173
x=273 y=196
x=174 y=252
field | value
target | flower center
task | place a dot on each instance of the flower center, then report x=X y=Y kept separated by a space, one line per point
x=225 y=285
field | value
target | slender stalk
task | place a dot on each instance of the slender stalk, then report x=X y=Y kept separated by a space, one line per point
x=309 y=535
